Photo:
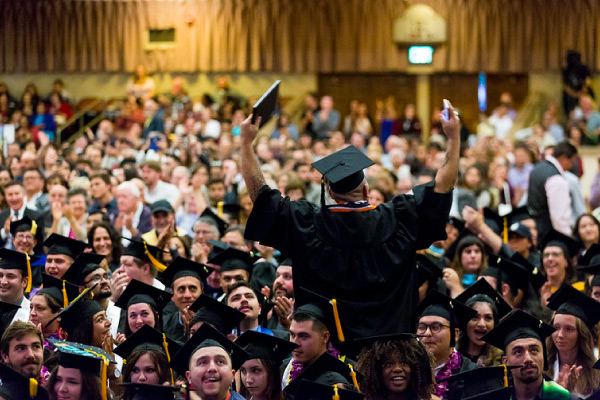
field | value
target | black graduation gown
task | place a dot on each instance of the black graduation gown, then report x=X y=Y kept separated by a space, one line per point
x=365 y=260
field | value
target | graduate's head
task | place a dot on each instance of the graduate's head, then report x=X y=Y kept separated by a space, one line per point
x=310 y=334
x=146 y=365
x=22 y=349
x=361 y=192
x=522 y=337
x=241 y=297
x=439 y=319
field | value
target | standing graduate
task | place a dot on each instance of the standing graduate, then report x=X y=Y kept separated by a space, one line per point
x=353 y=251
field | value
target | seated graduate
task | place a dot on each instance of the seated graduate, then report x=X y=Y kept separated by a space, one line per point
x=241 y=296
x=209 y=361
x=15 y=386
x=22 y=350
x=260 y=374
x=185 y=277
x=25 y=239
x=15 y=273
x=219 y=315
x=522 y=338
x=490 y=307
x=571 y=347
x=235 y=265
x=147 y=353
x=439 y=319
x=313 y=329
x=143 y=305
x=395 y=367
x=62 y=252
x=78 y=375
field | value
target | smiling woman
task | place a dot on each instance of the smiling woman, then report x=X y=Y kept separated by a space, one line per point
x=396 y=365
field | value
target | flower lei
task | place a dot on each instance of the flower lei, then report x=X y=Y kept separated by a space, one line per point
x=44 y=375
x=298 y=367
x=454 y=362
x=59 y=334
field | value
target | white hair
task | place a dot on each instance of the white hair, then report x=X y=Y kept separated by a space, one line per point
x=132 y=187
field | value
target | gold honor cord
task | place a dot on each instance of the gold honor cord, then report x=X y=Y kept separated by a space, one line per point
x=220 y=209
x=505 y=231
x=159 y=266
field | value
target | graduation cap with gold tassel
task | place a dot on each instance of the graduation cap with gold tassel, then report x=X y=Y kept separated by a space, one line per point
x=146 y=252
x=10 y=259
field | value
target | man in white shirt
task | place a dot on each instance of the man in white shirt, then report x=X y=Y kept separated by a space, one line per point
x=156 y=189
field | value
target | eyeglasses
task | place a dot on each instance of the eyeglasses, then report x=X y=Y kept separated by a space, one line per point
x=24 y=236
x=552 y=254
x=97 y=278
x=436 y=327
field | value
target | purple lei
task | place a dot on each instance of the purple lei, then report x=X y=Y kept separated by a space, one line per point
x=298 y=367
x=454 y=362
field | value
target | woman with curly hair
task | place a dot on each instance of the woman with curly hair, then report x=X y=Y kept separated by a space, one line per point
x=396 y=367
x=570 y=348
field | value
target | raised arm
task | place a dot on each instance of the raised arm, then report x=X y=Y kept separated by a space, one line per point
x=250 y=169
x=446 y=175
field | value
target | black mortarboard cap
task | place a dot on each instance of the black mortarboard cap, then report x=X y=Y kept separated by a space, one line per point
x=504 y=393
x=323 y=308
x=216 y=313
x=482 y=291
x=326 y=369
x=144 y=391
x=58 y=244
x=139 y=292
x=590 y=256
x=181 y=267
x=232 y=258
x=84 y=264
x=25 y=222
x=344 y=169
x=78 y=310
x=207 y=336
x=53 y=287
x=217 y=247
x=513 y=274
x=476 y=381
x=72 y=357
x=266 y=105
x=570 y=301
x=498 y=222
x=517 y=325
x=267 y=347
x=5 y=309
x=427 y=270
x=137 y=249
x=440 y=305
x=232 y=209
x=146 y=338
x=457 y=223
x=221 y=224
x=310 y=390
x=569 y=245
x=10 y=259
x=17 y=387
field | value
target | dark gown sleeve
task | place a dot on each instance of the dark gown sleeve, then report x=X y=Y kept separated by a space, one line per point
x=274 y=219
x=432 y=210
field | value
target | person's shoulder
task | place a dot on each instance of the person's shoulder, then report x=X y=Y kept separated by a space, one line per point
x=236 y=396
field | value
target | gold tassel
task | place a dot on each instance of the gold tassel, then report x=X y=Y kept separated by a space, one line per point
x=34 y=227
x=338 y=325
x=353 y=375
x=505 y=375
x=104 y=377
x=166 y=347
x=33 y=386
x=336 y=395
x=220 y=209
x=159 y=266
x=64 y=293
x=29 y=277
x=505 y=230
